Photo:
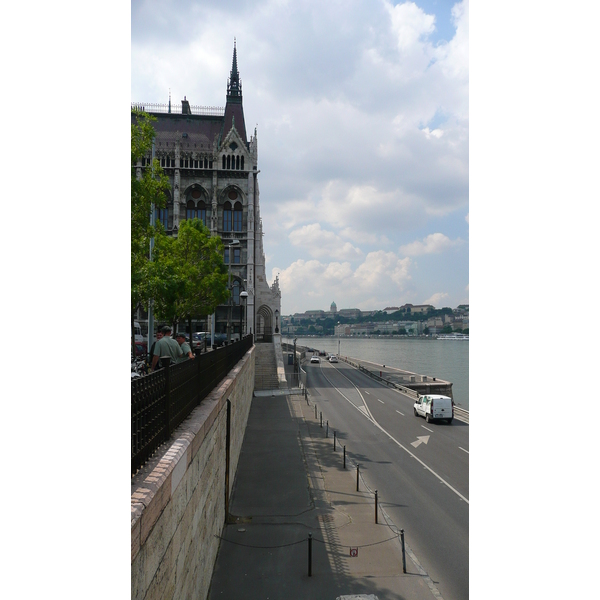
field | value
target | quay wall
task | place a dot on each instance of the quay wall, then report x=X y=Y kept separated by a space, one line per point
x=178 y=498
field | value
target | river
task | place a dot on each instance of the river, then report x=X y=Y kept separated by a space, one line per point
x=447 y=359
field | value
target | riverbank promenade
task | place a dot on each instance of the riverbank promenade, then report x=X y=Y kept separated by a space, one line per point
x=290 y=484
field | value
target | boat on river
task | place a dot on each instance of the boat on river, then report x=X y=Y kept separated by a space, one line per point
x=453 y=336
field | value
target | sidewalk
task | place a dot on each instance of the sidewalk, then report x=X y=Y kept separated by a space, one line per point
x=290 y=483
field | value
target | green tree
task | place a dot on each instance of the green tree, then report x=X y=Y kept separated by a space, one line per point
x=147 y=190
x=187 y=277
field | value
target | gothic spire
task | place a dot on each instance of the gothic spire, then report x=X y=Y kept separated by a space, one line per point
x=234 y=84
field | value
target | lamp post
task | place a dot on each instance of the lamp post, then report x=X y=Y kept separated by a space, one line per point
x=243 y=297
x=339 y=333
x=231 y=243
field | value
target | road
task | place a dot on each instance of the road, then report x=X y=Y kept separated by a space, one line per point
x=420 y=470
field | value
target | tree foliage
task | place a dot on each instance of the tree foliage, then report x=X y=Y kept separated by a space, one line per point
x=145 y=191
x=187 y=277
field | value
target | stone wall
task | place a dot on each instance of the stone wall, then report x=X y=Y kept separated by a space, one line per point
x=178 y=498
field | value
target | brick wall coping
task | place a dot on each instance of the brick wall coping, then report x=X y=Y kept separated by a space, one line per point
x=156 y=481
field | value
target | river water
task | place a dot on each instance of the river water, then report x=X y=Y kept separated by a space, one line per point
x=444 y=359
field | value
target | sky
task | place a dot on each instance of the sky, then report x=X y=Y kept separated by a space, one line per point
x=362 y=117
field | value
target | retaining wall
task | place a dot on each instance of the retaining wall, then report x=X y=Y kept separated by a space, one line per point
x=178 y=497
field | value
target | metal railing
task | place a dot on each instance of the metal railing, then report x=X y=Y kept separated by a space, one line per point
x=162 y=400
x=149 y=107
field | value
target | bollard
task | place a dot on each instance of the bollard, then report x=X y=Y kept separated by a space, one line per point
x=310 y=555
x=334 y=441
x=321 y=413
x=357 y=475
x=375 y=507
x=403 y=552
x=327 y=430
x=344 y=457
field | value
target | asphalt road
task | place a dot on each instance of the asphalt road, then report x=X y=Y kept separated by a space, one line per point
x=420 y=470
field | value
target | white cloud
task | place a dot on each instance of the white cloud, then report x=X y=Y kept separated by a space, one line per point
x=321 y=243
x=434 y=243
x=437 y=299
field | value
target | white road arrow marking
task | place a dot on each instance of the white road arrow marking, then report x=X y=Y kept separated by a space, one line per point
x=421 y=439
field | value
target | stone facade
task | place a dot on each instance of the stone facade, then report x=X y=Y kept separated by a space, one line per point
x=213 y=170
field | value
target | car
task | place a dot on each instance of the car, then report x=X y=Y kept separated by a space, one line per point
x=333 y=358
x=434 y=407
x=315 y=359
x=198 y=339
x=322 y=353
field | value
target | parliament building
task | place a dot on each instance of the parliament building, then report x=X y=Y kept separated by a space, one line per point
x=212 y=166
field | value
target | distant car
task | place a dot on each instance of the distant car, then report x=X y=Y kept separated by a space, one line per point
x=333 y=358
x=314 y=359
x=322 y=353
x=198 y=339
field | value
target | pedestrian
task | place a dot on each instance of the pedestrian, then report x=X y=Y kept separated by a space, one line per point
x=166 y=346
x=159 y=335
x=185 y=347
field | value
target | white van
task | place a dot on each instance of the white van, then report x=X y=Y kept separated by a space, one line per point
x=137 y=330
x=433 y=407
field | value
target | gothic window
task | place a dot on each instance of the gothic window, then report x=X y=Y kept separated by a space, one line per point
x=202 y=211
x=191 y=210
x=236 y=292
x=237 y=255
x=224 y=161
x=228 y=161
x=227 y=216
x=237 y=217
x=162 y=161
x=237 y=163
x=162 y=215
x=206 y=163
x=242 y=163
x=226 y=256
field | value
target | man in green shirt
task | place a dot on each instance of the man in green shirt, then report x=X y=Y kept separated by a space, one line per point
x=185 y=347
x=166 y=346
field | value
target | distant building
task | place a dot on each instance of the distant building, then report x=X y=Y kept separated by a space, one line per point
x=333 y=308
x=416 y=308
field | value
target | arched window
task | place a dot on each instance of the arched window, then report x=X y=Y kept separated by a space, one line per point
x=242 y=163
x=237 y=163
x=202 y=212
x=191 y=210
x=227 y=216
x=224 y=159
x=237 y=217
x=162 y=215
x=236 y=292
x=206 y=163
x=237 y=256
x=228 y=161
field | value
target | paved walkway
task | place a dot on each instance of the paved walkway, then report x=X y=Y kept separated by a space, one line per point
x=291 y=483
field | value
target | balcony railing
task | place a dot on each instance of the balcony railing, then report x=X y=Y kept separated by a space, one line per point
x=210 y=111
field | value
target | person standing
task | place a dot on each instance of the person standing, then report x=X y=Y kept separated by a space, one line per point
x=159 y=335
x=185 y=347
x=166 y=346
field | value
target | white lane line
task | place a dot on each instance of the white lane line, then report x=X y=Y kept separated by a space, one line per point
x=371 y=418
x=463 y=450
x=400 y=413
x=382 y=402
x=367 y=392
x=423 y=426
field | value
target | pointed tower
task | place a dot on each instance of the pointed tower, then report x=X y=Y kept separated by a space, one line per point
x=234 y=111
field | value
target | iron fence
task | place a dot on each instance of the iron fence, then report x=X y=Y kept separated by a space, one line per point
x=162 y=400
x=152 y=107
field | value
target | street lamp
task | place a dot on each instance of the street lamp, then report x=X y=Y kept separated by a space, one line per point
x=243 y=297
x=339 y=333
x=231 y=243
